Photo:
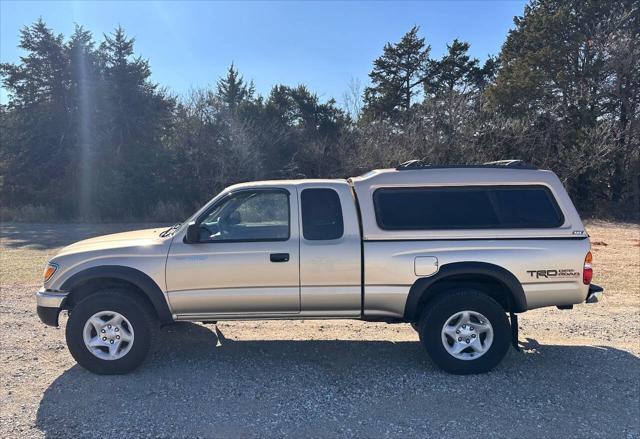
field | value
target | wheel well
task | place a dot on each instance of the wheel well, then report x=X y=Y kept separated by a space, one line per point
x=93 y=279
x=483 y=283
x=95 y=285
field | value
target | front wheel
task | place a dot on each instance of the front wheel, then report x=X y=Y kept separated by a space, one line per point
x=110 y=332
x=465 y=332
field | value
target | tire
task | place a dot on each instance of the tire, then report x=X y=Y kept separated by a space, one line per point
x=488 y=343
x=134 y=332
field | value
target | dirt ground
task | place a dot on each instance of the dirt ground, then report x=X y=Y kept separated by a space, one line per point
x=577 y=376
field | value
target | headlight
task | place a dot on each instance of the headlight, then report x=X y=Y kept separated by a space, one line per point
x=50 y=271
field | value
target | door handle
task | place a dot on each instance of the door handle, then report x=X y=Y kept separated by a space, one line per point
x=279 y=257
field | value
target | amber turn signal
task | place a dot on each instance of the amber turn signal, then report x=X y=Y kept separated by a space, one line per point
x=49 y=271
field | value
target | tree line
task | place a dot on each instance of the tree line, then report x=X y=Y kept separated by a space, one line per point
x=86 y=134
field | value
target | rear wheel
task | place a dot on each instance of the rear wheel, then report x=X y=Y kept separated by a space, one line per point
x=110 y=332
x=465 y=331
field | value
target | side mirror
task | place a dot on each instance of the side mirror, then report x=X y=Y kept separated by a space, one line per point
x=193 y=233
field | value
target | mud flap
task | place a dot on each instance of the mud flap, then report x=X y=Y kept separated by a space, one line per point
x=514 y=331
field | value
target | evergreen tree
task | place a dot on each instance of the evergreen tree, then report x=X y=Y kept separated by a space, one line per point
x=397 y=76
x=85 y=94
x=137 y=115
x=455 y=71
x=551 y=59
x=451 y=105
x=233 y=90
x=35 y=145
x=557 y=67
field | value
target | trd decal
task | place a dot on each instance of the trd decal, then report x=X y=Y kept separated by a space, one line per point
x=563 y=272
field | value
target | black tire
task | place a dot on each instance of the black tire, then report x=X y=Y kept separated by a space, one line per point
x=449 y=303
x=126 y=303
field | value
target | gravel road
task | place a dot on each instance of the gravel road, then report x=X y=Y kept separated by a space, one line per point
x=578 y=374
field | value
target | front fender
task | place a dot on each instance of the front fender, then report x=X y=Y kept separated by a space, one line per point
x=127 y=274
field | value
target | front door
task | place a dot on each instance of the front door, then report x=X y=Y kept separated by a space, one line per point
x=246 y=261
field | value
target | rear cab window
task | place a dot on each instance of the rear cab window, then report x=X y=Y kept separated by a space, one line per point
x=321 y=214
x=468 y=207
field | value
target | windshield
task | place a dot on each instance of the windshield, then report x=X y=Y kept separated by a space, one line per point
x=174 y=228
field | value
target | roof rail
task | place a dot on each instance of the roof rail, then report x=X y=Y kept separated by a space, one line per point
x=509 y=164
x=411 y=164
x=520 y=164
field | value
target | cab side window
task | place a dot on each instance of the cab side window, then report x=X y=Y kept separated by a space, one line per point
x=261 y=215
x=321 y=214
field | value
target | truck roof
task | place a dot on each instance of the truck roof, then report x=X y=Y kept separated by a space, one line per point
x=460 y=174
x=414 y=170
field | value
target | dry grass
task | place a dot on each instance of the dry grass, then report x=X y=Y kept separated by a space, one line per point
x=616 y=261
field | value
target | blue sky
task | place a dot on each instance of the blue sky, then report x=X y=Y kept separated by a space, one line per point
x=321 y=44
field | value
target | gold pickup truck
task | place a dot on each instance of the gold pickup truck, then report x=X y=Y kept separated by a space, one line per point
x=455 y=251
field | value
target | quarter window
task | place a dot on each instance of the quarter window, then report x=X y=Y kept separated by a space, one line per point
x=472 y=207
x=321 y=214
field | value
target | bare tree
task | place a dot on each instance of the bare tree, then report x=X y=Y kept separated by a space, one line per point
x=352 y=98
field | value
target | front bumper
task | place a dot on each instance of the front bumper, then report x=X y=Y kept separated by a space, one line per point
x=49 y=305
x=595 y=293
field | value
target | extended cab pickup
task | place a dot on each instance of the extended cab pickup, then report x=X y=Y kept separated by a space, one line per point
x=450 y=250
